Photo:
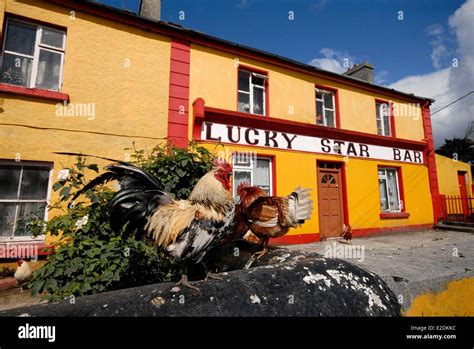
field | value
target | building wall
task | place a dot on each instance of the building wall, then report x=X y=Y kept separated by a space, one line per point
x=121 y=70
x=292 y=94
x=448 y=175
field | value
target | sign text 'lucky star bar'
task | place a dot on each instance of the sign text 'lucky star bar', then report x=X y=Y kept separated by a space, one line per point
x=281 y=140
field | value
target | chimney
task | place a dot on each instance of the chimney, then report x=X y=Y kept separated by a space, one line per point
x=150 y=9
x=363 y=71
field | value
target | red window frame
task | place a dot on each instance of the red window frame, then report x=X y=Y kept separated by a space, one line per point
x=267 y=87
x=390 y=117
x=336 y=103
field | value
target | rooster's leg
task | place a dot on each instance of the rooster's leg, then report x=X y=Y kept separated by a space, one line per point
x=185 y=282
x=209 y=275
x=265 y=249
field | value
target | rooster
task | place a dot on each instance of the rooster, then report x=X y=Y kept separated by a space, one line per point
x=270 y=216
x=346 y=233
x=185 y=229
x=23 y=273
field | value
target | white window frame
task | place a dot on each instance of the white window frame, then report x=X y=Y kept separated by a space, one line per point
x=318 y=100
x=384 y=177
x=250 y=92
x=379 y=117
x=22 y=164
x=249 y=169
x=38 y=47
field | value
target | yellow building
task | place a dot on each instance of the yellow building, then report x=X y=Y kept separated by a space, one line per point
x=83 y=77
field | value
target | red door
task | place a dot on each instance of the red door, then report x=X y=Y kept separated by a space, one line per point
x=463 y=191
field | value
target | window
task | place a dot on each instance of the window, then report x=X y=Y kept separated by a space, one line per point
x=32 y=56
x=383 y=118
x=389 y=190
x=23 y=192
x=251 y=92
x=325 y=108
x=257 y=171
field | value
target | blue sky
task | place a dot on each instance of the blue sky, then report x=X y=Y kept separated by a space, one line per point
x=414 y=54
x=357 y=30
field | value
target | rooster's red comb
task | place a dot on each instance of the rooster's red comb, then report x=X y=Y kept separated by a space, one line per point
x=222 y=164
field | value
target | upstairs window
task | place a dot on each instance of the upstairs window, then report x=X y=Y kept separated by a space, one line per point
x=257 y=171
x=32 y=56
x=325 y=108
x=252 y=92
x=23 y=193
x=383 y=112
x=389 y=190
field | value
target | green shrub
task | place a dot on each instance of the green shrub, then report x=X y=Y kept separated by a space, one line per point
x=89 y=257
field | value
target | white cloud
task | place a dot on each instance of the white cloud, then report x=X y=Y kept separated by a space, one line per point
x=447 y=84
x=333 y=60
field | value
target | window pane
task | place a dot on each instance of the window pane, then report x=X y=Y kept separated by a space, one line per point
x=392 y=187
x=34 y=183
x=329 y=118
x=319 y=113
x=261 y=174
x=258 y=101
x=258 y=81
x=383 y=195
x=379 y=127
x=16 y=70
x=240 y=177
x=386 y=123
x=21 y=38
x=7 y=218
x=9 y=180
x=49 y=67
x=27 y=211
x=244 y=102
x=328 y=102
x=242 y=159
x=244 y=81
x=52 y=38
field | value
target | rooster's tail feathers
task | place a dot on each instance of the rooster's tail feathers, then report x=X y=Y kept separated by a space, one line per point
x=129 y=176
x=300 y=206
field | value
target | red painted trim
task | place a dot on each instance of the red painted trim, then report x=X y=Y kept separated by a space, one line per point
x=393 y=215
x=230 y=47
x=336 y=102
x=400 y=229
x=391 y=116
x=345 y=199
x=243 y=119
x=43 y=250
x=34 y=92
x=363 y=232
x=267 y=87
x=295 y=239
x=429 y=155
x=179 y=94
x=274 y=176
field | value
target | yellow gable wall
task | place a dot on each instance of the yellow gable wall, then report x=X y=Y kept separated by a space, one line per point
x=448 y=175
x=121 y=70
x=292 y=94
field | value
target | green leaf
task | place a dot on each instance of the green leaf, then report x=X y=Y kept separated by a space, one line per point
x=93 y=167
x=65 y=192
x=37 y=286
x=58 y=185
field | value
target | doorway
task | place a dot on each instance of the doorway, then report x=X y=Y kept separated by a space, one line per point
x=463 y=191
x=330 y=199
